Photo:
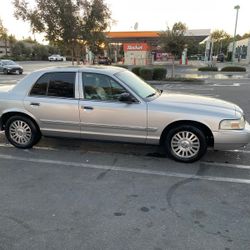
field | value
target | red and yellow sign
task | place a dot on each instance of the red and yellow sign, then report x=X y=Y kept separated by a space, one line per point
x=135 y=47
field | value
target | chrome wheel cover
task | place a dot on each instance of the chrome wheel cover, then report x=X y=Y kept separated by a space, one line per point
x=20 y=132
x=185 y=144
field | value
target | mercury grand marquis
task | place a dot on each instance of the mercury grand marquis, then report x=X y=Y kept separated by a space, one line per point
x=111 y=103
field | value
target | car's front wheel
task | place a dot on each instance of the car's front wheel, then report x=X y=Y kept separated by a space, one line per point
x=22 y=132
x=186 y=143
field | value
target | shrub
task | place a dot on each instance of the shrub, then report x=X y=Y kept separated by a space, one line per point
x=146 y=73
x=122 y=66
x=159 y=73
x=136 y=70
x=7 y=57
x=208 y=68
x=233 y=69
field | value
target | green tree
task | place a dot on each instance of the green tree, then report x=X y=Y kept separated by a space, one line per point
x=173 y=41
x=221 y=41
x=12 y=42
x=18 y=49
x=246 y=35
x=192 y=46
x=4 y=36
x=40 y=52
x=30 y=40
x=21 y=51
x=69 y=23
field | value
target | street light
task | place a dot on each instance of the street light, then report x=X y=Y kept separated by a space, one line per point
x=237 y=7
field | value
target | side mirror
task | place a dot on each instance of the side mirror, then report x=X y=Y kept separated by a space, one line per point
x=126 y=97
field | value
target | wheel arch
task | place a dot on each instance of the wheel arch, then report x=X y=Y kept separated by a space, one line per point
x=204 y=128
x=9 y=114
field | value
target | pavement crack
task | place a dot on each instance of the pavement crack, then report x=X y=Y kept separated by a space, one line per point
x=172 y=190
x=19 y=222
x=104 y=173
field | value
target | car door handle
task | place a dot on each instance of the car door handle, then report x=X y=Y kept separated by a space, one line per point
x=87 y=108
x=34 y=104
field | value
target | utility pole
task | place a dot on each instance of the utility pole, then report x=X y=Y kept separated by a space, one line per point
x=237 y=7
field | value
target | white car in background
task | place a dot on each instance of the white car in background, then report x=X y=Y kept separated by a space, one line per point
x=56 y=58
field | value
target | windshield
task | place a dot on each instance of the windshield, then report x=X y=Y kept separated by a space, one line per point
x=9 y=62
x=140 y=87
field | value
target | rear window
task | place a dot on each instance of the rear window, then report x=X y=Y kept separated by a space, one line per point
x=58 y=84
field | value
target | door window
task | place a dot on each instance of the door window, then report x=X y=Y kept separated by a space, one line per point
x=101 y=87
x=56 y=84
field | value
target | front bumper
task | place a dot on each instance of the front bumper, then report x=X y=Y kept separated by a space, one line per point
x=231 y=139
x=14 y=70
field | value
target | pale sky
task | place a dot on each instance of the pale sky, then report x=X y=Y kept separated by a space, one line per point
x=156 y=15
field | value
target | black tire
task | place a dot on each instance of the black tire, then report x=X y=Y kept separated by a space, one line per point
x=20 y=72
x=186 y=143
x=5 y=72
x=21 y=132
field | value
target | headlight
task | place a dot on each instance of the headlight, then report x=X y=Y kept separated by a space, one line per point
x=233 y=124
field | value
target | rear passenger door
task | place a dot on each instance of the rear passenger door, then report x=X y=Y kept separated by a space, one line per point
x=53 y=101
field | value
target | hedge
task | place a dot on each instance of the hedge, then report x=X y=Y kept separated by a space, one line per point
x=159 y=73
x=122 y=66
x=233 y=69
x=208 y=68
x=146 y=73
x=136 y=70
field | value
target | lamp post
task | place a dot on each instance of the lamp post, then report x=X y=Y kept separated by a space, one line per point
x=237 y=7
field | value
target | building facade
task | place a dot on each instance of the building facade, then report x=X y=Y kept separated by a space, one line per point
x=242 y=50
x=142 y=47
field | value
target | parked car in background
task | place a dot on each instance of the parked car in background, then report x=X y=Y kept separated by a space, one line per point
x=220 y=57
x=56 y=58
x=112 y=103
x=10 y=67
x=196 y=57
x=104 y=60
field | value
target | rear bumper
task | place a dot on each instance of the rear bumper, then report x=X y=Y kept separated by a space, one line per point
x=231 y=139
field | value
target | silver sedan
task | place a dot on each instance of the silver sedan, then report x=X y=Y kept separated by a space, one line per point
x=111 y=103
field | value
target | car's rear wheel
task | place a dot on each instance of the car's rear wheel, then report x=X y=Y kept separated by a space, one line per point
x=22 y=132
x=186 y=143
x=5 y=71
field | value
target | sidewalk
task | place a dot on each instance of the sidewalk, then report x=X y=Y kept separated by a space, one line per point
x=220 y=65
x=191 y=71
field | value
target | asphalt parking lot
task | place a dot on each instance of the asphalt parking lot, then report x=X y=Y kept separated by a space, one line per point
x=73 y=194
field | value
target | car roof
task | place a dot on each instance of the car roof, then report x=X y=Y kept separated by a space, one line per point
x=20 y=87
x=110 y=70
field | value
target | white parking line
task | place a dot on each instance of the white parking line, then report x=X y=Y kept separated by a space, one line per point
x=4 y=83
x=227 y=85
x=126 y=169
x=239 y=151
x=228 y=165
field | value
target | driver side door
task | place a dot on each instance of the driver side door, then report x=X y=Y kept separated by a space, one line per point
x=104 y=117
